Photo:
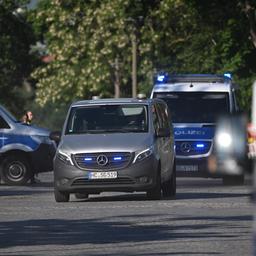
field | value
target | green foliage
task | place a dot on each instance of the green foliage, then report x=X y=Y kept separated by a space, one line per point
x=15 y=62
x=85 y=38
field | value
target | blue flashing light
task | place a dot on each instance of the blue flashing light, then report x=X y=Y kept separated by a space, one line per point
x=117 y=158
x=87 y=159
x=160 y=78
x=200 y=145
x=228 y=75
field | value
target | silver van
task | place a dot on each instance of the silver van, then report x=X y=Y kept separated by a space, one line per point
x=115 y=145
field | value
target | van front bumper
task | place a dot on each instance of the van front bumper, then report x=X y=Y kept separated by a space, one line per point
x=139 y=176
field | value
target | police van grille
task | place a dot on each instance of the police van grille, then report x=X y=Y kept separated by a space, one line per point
x=189 y=148
x=115 y=160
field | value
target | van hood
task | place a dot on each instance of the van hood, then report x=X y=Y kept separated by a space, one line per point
x=120 y=142
x=194 y=131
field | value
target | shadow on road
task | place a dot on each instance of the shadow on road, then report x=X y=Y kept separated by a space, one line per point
x=29 y=189
x=209 y=195
x=110 y=230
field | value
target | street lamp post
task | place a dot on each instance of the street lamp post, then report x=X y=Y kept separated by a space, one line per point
x=136 y=23
x=134 y=65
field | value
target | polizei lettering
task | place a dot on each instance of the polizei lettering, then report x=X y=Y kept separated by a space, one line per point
x=189 y=132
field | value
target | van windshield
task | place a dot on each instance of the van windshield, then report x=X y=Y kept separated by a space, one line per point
x=195 y=107
x=108 y=119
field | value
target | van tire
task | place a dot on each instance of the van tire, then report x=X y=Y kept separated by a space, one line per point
x=169 y=187
x=233 y=180
x=156 y=192
x=61 y=197
x=15 y=170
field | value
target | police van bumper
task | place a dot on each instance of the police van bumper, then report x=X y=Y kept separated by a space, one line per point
x=193 y=167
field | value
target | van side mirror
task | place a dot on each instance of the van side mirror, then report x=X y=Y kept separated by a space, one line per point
x=229 y=156
x=55 y=136
x=163 y=132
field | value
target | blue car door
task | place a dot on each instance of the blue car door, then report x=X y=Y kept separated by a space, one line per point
x=3 y=126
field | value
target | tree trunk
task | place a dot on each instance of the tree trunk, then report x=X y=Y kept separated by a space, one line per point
x=117 y=78
x=251 y=15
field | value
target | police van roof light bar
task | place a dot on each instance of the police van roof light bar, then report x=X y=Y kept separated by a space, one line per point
x=196 y=78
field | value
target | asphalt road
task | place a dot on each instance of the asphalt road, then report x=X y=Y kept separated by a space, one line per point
x=206 y=218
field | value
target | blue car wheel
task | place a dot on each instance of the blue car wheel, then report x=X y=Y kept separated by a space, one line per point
x=15 y=170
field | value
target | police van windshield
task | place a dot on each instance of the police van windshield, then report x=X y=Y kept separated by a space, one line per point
x=108 y=119
x=195 y=107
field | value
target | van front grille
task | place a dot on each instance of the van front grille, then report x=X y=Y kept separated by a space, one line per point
x=102 y=161
x=192 y=148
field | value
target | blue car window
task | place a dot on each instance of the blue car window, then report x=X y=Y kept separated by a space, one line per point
x=3 y=124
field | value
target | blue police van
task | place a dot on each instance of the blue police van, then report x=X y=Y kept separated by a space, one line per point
x=24 y=150
x=195 y=101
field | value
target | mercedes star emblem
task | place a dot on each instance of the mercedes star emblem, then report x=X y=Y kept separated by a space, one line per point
x=102 y=160
x=185 y=147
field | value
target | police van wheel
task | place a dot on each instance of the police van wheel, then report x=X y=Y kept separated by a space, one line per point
x=61 y=196
x=15 y=170
x=233 y=180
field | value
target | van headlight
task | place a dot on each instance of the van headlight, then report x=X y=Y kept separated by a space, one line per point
x=141 y=155
x=64 y=157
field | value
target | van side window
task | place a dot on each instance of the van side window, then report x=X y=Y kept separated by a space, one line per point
x=160 y=115
x=235 y=106
x=163 y=112
x=3 y=124
x=155 y=118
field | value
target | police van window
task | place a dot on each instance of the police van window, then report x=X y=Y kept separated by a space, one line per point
x=234 y=105
x=8 y=114
x=196 y=107
x=3 y=124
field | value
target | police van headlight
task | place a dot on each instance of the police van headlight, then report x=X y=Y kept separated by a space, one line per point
x=64 y=157
x=141 y=155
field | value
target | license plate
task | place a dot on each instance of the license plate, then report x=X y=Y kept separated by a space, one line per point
x=102 y=175
x=187 y=168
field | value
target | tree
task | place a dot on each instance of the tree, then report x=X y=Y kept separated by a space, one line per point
x=15 y=61
x=89 y=43
x=249 y=8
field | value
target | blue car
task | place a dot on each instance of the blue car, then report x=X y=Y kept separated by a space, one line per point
x=24 y=150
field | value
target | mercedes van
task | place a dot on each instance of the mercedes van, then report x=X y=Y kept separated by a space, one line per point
x=195 y=102
x=115 y=145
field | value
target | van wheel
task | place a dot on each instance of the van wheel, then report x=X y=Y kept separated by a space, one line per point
x=81 y=195
x=60 y=196
x=169 y=187
x=15 y=170
x=233 y=180
x=155 y=193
